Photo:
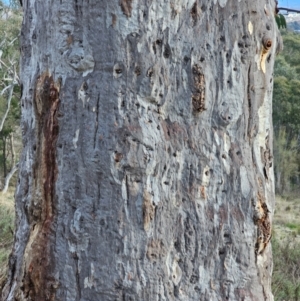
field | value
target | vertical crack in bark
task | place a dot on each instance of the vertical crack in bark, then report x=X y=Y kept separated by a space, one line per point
x=249 y=102
x=76 y=258
x=127 y=187
x=97 y=121
x=39 y=285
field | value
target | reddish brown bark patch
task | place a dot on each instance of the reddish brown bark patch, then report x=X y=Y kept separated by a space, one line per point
x=198 y=97
x=126 y=6
x=263 y=223
x=203 y=192
x=39 y=285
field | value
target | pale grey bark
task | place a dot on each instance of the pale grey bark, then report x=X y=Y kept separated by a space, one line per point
x=147 y=167
x=14 y=166
x=9 y=176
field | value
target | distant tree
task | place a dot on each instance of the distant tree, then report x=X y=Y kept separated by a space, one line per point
x=15 y=4
x=292 y=50
x=286 y=161
x=287 y=105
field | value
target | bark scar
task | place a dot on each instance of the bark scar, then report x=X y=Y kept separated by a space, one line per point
x=263 y=223
x=39 y=285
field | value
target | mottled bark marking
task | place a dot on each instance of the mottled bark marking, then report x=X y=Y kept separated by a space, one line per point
x=113 y=20
x=194 y=13
x=70 y=40
x=198 y=97
x=126 y=6
x=156 y=250
x=148 y=210
x=262 y=221
x=37 y=284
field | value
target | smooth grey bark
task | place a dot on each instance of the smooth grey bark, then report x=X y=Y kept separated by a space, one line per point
x=14 y=168
x=146 y=172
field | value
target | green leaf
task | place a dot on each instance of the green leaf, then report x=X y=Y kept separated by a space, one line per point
x=278 y=21
x=283 y=21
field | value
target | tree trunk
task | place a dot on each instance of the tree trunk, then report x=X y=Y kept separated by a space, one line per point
x=4 y=154
x=8 y=177
x=12 y=149
x=146 y=171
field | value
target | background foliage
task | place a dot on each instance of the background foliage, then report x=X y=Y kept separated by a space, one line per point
x=10 y=22
x=286 y=115
x=286 y=120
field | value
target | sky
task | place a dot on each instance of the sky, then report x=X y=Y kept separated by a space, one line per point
x=283 y=3
x=289 y=3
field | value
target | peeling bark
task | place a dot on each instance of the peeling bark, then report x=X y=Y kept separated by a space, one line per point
x=146 y=172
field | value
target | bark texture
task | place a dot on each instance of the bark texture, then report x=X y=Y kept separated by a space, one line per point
x=147 y=168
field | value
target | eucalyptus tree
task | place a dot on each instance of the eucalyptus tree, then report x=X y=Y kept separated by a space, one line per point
x=146 y=172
